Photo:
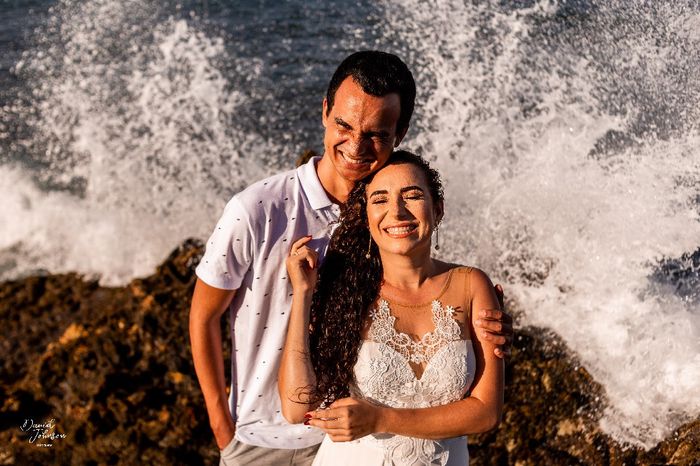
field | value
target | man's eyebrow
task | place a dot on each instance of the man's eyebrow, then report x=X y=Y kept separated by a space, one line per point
x=343 y=123
x=381 y=134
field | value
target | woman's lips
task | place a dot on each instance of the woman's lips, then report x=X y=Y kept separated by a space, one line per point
x=400 y=231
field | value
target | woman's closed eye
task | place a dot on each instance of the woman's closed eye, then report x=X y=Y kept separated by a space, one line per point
x=414 y=196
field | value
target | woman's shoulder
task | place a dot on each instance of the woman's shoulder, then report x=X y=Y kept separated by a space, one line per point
x=467 y=278
x=466 y=270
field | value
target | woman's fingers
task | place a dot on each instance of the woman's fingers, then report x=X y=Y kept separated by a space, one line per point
x=301 y=265
x=303 y=253
x=299 y=243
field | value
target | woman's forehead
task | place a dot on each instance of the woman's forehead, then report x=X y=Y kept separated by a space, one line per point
x=398 y=176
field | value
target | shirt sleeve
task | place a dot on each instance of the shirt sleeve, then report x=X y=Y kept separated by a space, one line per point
x=229 y=249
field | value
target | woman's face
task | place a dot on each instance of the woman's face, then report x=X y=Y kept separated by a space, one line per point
x=400 y=210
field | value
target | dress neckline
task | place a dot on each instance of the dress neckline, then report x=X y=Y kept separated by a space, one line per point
x=428 y=303
x=446 y=330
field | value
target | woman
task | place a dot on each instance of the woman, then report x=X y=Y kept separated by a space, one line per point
x=386 y=343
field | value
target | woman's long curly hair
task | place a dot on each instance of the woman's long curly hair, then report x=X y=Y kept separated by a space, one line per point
x=348 y=284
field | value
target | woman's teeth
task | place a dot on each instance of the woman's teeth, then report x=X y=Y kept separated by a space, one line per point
x=399 y=230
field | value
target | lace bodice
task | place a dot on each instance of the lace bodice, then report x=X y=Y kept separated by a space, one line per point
x=384 y=376
x=418 y=352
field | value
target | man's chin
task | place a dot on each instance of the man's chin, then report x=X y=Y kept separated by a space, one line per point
x=354 y=174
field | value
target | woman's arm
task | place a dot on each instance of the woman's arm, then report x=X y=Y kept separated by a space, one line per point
x=296 y=375
x=349 y=419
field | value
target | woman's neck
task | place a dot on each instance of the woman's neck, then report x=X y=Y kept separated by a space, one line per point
x=407 y=272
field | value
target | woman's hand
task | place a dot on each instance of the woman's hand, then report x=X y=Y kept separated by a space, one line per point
x=346 y=419
x=302 y=266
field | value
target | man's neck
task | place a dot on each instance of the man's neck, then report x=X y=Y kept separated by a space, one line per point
x=337 y=188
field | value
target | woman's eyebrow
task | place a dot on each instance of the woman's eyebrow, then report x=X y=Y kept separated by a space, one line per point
x=403 y=190
x=411 y=188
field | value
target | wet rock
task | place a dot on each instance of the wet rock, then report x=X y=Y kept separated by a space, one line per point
x=112 y=366
x=551 y=415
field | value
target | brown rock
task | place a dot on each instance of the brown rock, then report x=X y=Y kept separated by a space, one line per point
x=112 y=366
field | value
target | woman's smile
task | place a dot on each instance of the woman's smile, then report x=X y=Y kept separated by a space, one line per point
x=401 y=231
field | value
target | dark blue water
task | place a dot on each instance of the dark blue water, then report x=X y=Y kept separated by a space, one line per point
x=296 y=45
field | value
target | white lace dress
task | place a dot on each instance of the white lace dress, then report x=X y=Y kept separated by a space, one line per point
x=383 y=376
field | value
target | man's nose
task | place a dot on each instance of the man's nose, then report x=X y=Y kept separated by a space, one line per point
x=356 y=146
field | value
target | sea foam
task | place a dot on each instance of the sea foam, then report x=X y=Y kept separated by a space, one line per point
x=569 y=145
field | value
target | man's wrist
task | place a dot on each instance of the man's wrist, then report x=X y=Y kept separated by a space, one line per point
x=224 y=435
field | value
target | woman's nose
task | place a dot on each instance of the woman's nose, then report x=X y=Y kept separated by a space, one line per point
x=397 y=208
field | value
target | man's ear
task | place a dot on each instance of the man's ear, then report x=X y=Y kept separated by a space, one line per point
x=399 y=136
x=324 y=115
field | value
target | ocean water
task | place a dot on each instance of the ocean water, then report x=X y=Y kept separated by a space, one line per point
x=568 y=134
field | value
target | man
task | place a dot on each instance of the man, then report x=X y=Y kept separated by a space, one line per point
x=366 y=114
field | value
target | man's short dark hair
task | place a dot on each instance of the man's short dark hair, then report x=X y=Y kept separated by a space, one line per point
x=379 y=74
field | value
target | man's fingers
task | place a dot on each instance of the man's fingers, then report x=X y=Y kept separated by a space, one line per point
x=499 y=295
x=495 y=314
x=494 y=326
x=494 y=338
x=490 y=325
x=502 y=352
x=491 y=314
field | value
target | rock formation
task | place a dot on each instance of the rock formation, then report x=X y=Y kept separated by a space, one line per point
x=108 y=372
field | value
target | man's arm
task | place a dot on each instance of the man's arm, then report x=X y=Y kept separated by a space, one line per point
x=208 y=305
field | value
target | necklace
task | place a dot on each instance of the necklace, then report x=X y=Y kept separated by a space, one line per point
x=391 y=300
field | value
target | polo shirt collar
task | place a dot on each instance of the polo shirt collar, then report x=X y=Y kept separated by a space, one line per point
x=312 y=185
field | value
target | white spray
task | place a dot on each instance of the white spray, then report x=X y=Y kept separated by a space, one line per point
x=572 y=168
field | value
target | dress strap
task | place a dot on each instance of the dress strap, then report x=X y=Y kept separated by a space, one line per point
x=467 y=283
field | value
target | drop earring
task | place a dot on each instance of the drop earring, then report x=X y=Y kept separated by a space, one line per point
x=437 y=238
x=369 y=248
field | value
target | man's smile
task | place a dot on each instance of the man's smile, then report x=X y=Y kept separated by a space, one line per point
x=353 y=161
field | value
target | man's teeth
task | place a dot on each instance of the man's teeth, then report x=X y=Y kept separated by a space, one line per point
x=353 y=161
x=399 y=230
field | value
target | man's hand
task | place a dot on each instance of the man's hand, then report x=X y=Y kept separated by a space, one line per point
x=497 y=326
x=224 y=434
x=346 y=419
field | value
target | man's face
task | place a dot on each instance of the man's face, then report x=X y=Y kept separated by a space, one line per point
x=360 y=130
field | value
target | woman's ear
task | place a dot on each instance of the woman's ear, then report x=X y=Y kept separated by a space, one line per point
x=439 y=212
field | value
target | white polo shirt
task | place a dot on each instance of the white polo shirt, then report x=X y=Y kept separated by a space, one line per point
x=247 y=252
